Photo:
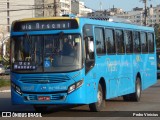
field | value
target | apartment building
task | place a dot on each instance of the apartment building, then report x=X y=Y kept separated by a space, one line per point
x=11 y=10
x=137 y=15
x=78 y=8
x=50 y=8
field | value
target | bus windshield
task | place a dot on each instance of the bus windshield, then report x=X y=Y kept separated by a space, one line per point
x=46 y=53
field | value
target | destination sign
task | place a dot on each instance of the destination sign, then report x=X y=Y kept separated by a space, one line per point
x=24 y=66
x=45 y=25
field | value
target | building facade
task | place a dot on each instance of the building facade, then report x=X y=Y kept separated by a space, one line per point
x=50 y=8
x=11 y=10
x=104 y=13
x=78 y=8
x=137 y=15
x=99 y=13
x=154 y=15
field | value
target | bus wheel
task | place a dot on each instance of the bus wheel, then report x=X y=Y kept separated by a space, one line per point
x=100 y=104
x=137 y=94
x=41 y=109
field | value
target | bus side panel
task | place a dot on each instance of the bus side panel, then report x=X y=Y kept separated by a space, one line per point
x=145 y=64
x=152 y=68
x=91 y=87
x=136 y=68
x=111 y=76
x=120 y=75
x=144 y=70
x=125 y=74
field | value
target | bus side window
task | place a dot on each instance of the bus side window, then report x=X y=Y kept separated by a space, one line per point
x=119 y=41
x=136 y=42
x=144 y=43
x=110 y=42
x=99 y=37
x=150 y=42
x=128 y=41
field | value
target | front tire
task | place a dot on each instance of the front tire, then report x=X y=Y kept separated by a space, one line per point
x=100 y=104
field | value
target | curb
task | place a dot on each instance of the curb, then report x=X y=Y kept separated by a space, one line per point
x=5 y=91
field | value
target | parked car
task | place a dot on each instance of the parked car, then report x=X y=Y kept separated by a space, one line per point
x=7 y=70
x=2 y=69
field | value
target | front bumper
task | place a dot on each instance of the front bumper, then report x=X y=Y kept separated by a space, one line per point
x=76 y=97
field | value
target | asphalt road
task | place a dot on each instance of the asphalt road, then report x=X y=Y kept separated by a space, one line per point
x=150 y=103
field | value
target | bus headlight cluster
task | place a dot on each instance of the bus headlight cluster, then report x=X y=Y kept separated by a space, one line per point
x=16 y=88
x=75 y=86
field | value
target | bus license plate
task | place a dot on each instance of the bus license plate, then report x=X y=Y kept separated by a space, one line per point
x=44 y=98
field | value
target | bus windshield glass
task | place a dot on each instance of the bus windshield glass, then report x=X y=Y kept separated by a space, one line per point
x=46 y=53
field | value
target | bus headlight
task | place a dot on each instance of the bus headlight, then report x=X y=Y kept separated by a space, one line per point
x=75 y=86
x=79 y=84
x=16 y=88
x=71 y=88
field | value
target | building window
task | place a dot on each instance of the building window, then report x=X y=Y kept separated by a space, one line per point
x=138 y=16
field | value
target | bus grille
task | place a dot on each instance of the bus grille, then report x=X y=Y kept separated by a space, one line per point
x=52 y=97
x=44 y=79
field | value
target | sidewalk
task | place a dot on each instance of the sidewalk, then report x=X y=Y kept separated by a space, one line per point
x=5 y=89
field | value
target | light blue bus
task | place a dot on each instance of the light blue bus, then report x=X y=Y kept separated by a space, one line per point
x=65 y=60
x=158 y=62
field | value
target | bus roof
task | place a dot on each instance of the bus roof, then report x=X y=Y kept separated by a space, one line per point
x=83 y=21
x=115 y=24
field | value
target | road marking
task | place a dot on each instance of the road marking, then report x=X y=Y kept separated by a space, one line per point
x=4 y=91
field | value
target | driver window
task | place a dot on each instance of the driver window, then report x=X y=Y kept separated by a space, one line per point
x=88 y=47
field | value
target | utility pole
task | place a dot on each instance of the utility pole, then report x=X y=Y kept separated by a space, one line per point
x=145 y=11
x=8 y=16
x=43 y=8
x=55 y=8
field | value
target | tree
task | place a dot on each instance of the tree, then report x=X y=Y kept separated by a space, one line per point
x=157 y=33
x=3 y=34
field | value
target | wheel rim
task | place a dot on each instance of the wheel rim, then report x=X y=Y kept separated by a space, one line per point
x=138 y=90
x=99 y=96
